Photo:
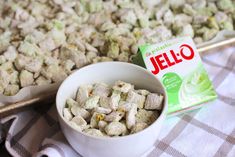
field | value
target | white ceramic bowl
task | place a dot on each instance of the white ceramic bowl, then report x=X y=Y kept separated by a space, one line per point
x=134 y=145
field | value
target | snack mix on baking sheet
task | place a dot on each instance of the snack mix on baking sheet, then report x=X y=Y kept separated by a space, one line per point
x=42 y=42
x=102 y=110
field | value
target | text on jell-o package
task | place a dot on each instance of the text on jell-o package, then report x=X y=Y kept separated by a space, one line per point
x=178 y=65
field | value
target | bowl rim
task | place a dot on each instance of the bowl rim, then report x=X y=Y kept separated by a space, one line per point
x=163 y=111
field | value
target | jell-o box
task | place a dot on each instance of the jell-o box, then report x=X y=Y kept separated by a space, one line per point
x=178 y=65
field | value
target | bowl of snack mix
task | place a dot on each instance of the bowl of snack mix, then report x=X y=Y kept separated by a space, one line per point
x=111 y=109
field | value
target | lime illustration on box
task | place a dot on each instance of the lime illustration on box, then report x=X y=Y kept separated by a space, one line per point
x=178 y=65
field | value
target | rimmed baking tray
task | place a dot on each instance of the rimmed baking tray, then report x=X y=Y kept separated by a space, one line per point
x=221 y=41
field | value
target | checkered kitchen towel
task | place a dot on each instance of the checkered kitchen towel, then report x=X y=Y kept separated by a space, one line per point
x=207 y=132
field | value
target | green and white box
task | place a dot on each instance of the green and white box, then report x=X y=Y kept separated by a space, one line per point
x=178 y=65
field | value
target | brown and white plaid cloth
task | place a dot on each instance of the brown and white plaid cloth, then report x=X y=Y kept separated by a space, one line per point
x=207 y=132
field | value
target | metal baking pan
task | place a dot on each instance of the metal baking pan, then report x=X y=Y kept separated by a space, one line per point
x=43 y=99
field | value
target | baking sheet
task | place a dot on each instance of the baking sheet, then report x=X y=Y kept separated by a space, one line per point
x=220 y=37
x=30 y=92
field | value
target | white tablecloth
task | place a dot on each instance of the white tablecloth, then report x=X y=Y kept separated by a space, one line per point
x=207 y=132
